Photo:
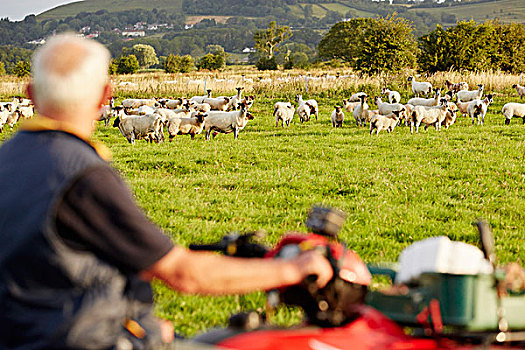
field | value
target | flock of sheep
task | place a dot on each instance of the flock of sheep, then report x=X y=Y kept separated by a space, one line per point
x=147 y=118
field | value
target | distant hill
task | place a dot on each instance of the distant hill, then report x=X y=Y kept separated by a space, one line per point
x=504 y=10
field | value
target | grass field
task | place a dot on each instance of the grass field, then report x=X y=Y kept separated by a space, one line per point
x=396 y=188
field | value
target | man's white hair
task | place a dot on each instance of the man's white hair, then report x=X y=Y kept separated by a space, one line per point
x=69 y=72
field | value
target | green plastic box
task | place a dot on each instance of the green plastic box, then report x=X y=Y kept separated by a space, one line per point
x=468 y=302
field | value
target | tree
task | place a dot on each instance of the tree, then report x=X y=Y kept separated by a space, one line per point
x=127 y=65
x=2 y=68
x=211 y=62
x=178 y=64
x=22 y=69
x=145 y=55
x=266 y=41
x=371 y=45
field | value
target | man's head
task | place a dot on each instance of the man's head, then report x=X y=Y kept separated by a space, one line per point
x=70 y=76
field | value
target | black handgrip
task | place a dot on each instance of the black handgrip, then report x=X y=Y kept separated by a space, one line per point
x=217 y=247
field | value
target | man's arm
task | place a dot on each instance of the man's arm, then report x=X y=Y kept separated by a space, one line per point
x=207 y=273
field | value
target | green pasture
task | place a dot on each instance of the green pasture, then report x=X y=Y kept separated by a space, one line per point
x=396 y=189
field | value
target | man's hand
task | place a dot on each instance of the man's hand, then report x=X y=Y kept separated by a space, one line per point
x=313 y=263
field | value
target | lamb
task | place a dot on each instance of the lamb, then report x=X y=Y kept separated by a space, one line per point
x=349 y=106
x=12 y=118
x=513 y=109
x=26 y=112
x=200 y=99
x=235 y=100
x=134 y=127
x=199 y=107
x=520 y=89
x=4 y=113
x=283 y=111
x=457 y=86
x=172 y=104
x=218 y=104
x=429 y=116
x=428 y=102
x=387 y=108
x=357 y=97
x=478 y=109
x=463 y=107
x=393 y=96
x=385 y=122
x=183 y=126
x=420 y=87
x=450 y=117
x=304 y=111
x=337 y=117
x=136 y=102
x=467 y=96
x=227 y=122
x=105 y=115
x=313 y=103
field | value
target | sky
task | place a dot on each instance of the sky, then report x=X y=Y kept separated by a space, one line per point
x=16 y=10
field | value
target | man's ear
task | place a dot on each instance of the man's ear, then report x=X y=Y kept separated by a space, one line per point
x=29 y=91
x=108 y=92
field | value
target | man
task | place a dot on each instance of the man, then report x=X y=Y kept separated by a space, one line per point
x=76 y=253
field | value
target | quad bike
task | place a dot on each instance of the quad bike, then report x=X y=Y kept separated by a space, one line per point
x=442 y=312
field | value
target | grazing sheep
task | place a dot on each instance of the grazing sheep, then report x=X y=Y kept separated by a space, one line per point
x=393 y=96
x=387 y=108
x=520 y=89
x=337 y=117
x=137 y=102
x=283 y=111
x=349 y=106
x=513 y=110
x=456 y=87
x=478 y=109
x=311 y=102
x=134 y=127
x=385 y=122
x=199 y=107
x=428 y=116
x=186 y=126
x=467 y=96
x=420 y=87
x=218 y=104
x=227 y=122
x=428 y=102
x=200 y=99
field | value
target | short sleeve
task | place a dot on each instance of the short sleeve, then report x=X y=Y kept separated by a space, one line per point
x=98 y=213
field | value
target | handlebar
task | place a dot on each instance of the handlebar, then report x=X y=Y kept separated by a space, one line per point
x=234 y=245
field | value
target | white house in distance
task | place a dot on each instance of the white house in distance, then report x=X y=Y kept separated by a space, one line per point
x=133 y=33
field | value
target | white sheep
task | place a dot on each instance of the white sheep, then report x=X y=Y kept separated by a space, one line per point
x=362 y=114
x=137 y=102
x=467 y=96
x=513 y=110
x=284 y=112
x=450 y=117
x=235 y=100
x=428 y=116
x=520 y=89
x=463 y=107
x=134 y=127
x=4 y=113
x=105 y=115
x=428 y=102
x=304 y=111
x=173 y=104
x=385 y=122
x=387 y=108
x=478 y=109
x=218 y=104
x=186 y=126
x=199 y=107
x=227 y=122
x=166 y=114
x=422 y=87
x=311 y=102
x=337 y=117
x=456 y=87
x=393 y=96
x=357 y=97
x=143 y=110
x=200 y=99
x=26 y=112
x=349 y=106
